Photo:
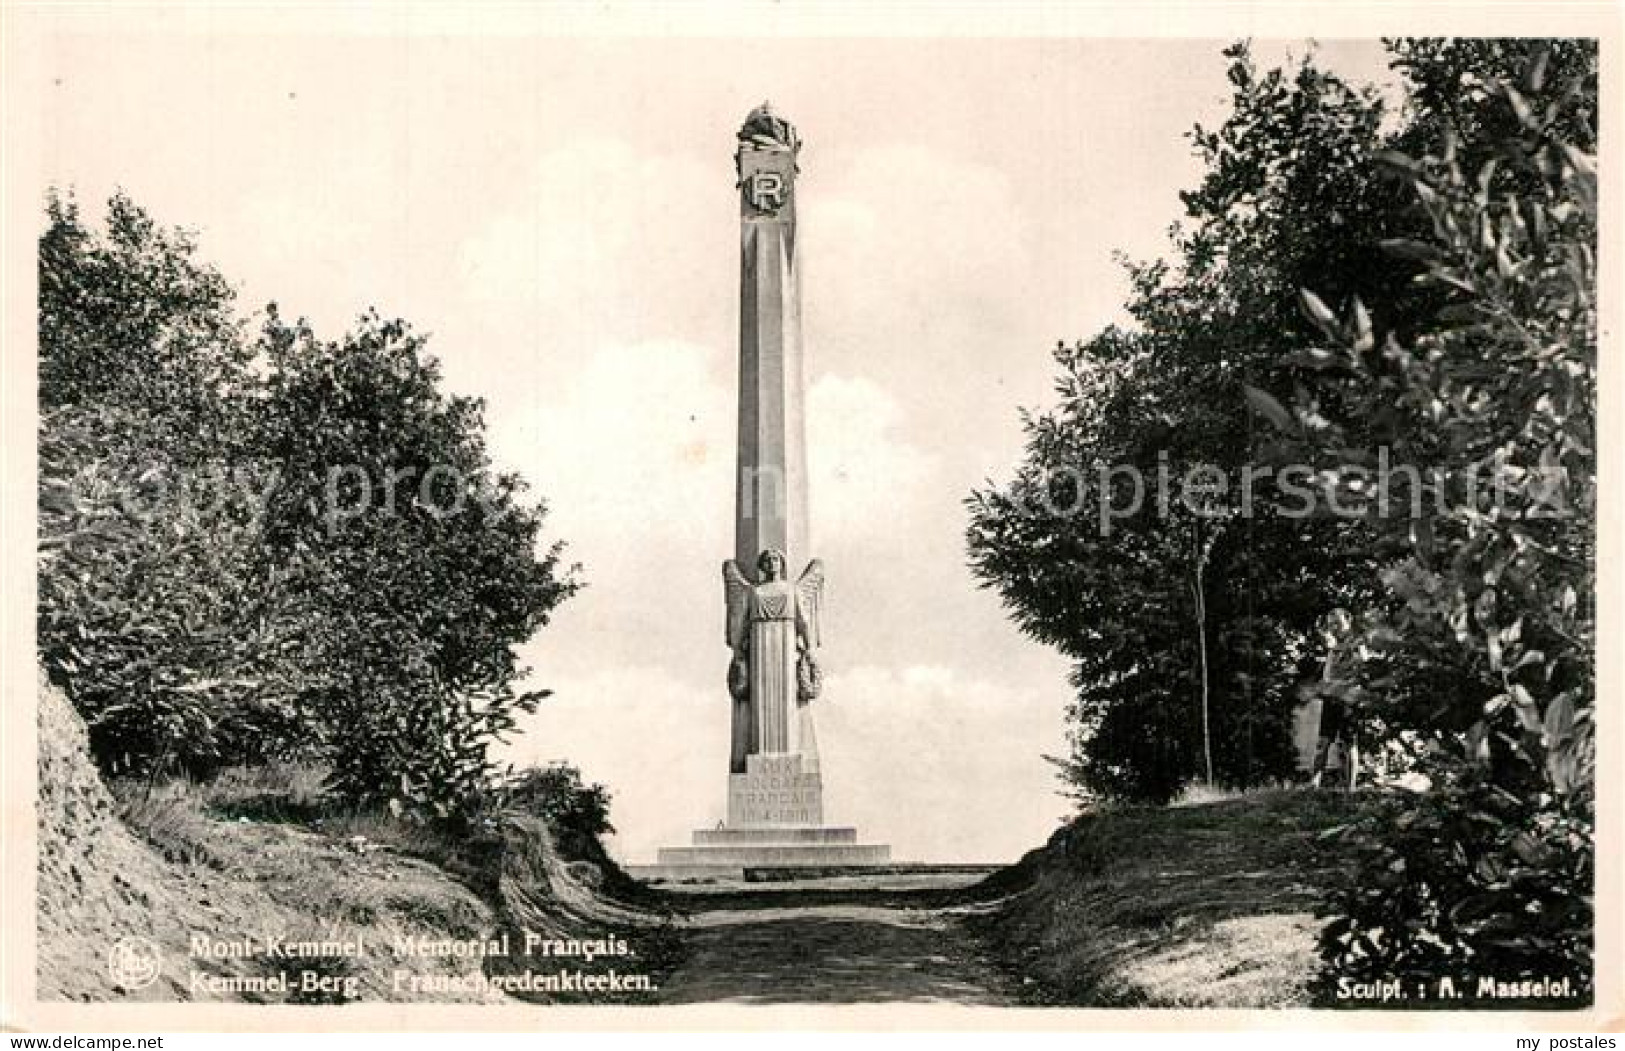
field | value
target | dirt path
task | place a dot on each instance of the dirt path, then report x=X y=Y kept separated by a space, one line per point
x=831 y=941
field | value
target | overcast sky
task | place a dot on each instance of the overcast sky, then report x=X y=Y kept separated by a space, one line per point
x=561 y=216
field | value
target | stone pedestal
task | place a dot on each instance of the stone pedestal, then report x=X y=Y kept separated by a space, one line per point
x=775 y=820
x=733 y=858
x=775 y=790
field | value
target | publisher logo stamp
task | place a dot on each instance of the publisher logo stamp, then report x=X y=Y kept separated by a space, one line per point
x=134 y=962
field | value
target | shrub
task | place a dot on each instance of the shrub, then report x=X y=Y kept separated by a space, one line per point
x=1468 y=881
x=1480 y=659
x=153 y=609
x=576 y=811
x=203 y=602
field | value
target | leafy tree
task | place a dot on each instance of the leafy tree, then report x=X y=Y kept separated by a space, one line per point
x=425 y=560
x=151 y=610
x=214 y=588
x=1478 y=664
x=1454 y=89
x=131 y=319
x=1441 y=383
x=1203 y=606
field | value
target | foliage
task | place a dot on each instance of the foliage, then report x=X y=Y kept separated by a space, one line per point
x=151 y=607
x=1454 y=87
x=130 y=318
x=1135 y=601
x=214 y=589
x=1435 y=393
x=425 y=560
x=1467 y=880
x=155 y=621
x=557 y=794
x=1132 y=906
x=1482 y=652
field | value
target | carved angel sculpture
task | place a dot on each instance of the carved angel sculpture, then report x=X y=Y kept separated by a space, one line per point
x=773 y=629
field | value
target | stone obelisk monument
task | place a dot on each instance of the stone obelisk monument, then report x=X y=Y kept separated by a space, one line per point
x=773 y=616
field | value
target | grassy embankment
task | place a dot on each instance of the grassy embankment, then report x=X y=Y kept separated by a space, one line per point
x=1205 y=905
x=264 y=854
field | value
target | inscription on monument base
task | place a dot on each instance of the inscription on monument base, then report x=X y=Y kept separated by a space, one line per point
x=775 y=790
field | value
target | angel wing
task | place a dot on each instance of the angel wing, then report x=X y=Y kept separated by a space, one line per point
x=810 y=590
x=736 y=591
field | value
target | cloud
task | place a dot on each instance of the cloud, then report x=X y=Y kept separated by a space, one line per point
x=630 y=436
x=634 y=456
x=562 y=220
x=862 y=469
x=628 y=429
x=636 y=453
x=600 y=243
x=911 y=255
x=901 y=252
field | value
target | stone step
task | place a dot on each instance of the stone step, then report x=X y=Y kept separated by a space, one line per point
x=773 y=855
x=734 y=836
x=684 y=873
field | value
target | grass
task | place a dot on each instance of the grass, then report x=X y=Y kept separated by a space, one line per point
x=1197 y=794
x=376 y=828
x=1202 y=904
x=182 y=819
x=190 y=821
x=276 y=791
x=172 y=819
x=330 y=871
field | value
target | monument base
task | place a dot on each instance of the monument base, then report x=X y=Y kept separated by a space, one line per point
x=775 y=790
x=724 y=853
x=775 y=820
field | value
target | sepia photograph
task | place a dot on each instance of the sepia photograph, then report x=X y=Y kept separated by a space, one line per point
x=778 y=513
